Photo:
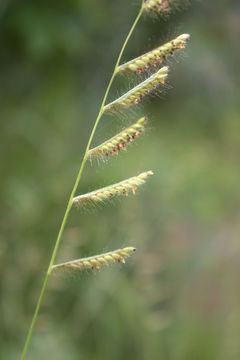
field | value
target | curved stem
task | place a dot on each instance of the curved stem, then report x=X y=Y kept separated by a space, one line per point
x=69 y=205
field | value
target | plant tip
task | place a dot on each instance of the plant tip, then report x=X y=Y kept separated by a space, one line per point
x=157 y=6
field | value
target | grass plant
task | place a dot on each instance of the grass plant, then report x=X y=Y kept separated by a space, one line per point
x=113 y=146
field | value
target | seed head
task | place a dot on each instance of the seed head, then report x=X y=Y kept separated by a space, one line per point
x=157 y=6
x=119 y=142
x=96 y=262
x=109 y=192
x=156 y=56
x=136 y=94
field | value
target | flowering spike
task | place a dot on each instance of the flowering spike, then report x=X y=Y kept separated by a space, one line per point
x=136 y=94
x=119 y=141
x=107 y=193
x=156 y=56
x=96 y=262
x=157 y=5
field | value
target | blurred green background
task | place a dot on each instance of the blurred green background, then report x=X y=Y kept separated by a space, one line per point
x=179 y=296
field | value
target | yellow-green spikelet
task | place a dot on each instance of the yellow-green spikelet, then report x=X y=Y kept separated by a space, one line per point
x=119 y=141
x=156 y=56
x=133 y=96
x=96 y=262
x=107 y=193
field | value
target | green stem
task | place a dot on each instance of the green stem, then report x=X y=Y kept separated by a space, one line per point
x=69 y=205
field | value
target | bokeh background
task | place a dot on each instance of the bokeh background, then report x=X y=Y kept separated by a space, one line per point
x=178 y=297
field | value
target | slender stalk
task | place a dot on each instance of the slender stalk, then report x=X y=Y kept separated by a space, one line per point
x=69 y=204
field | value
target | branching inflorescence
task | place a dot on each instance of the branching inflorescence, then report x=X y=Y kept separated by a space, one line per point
x=114 y=145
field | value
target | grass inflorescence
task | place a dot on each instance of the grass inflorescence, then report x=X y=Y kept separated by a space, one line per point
x=114 y=145
x=135 y=95
x=110 y=192
x=118 y=142
x=97 y=261
x=156 y=56
x=158 y=6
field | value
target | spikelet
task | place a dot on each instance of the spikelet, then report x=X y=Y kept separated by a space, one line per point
x=95 y=262
x=156 y=56
x=136 y=94
x=119 y=141
x=158 y=6
x=109 y=192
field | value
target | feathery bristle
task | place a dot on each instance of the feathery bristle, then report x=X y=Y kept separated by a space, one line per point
x=96 y=262
x=156 y=56
x=118 y=142
x=109 y=192
x=136 y=94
